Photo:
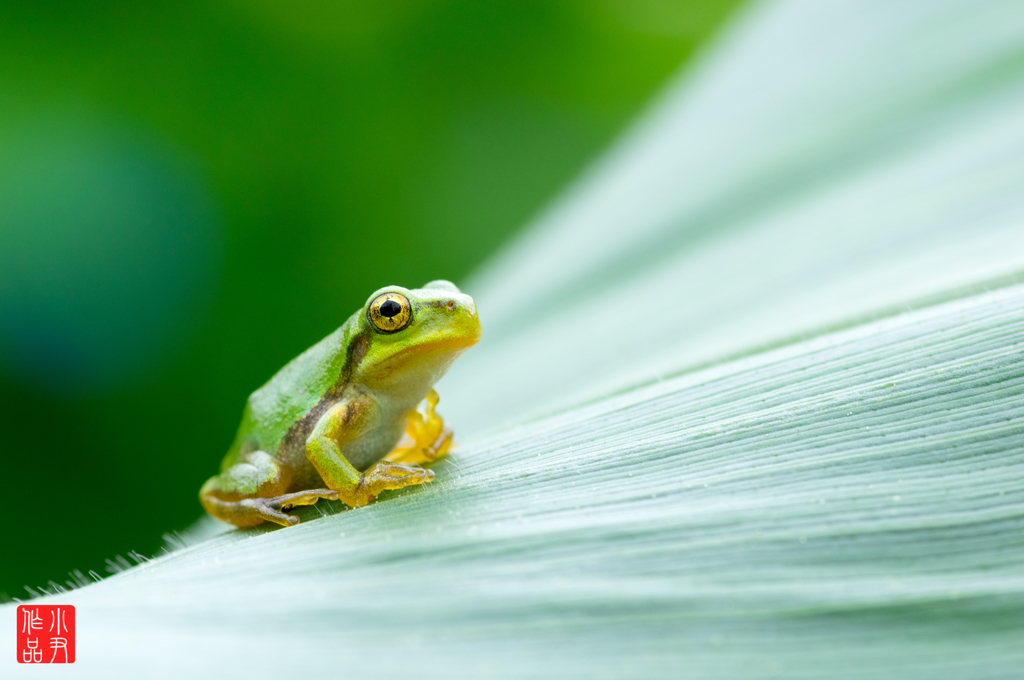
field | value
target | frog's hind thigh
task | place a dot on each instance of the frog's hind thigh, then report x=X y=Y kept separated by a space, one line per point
x=426 y=437
x=250 y=492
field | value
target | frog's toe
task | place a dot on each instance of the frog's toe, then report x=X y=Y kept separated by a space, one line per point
x=440 y=447
x=310 y=497
x=260 y=507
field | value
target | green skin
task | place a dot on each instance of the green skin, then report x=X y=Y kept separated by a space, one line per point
x=339 y=409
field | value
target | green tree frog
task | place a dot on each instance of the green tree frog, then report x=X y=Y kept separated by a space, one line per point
x=341 y=420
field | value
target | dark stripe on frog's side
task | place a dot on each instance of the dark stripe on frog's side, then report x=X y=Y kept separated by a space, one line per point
x=298 y=433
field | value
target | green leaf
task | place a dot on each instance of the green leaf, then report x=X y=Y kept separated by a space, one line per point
x=749 y=403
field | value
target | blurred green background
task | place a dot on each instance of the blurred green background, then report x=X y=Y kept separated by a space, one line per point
x=191 y=194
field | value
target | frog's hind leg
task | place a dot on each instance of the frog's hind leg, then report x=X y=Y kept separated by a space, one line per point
x=250 y=492
x=426 y=437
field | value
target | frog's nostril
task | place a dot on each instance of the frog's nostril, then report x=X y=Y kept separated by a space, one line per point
x=451 y=305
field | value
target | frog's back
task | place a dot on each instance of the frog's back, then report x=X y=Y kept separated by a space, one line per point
x=288 y=396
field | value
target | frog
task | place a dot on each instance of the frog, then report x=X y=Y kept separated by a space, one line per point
x=352 y=416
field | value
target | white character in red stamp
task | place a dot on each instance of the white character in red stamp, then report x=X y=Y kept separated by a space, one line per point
x=58 y=621
x=32 y=653
x=59 y=645
x=31 y=620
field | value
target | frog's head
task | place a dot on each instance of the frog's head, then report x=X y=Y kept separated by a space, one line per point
x=413 y=336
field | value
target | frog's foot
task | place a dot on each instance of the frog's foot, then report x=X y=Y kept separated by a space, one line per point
x=385 y=475
x=252 y=511
x=274 y=509
x=410 y=452
x=426 y=437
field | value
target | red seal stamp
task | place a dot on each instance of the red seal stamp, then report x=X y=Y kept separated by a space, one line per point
x=46 y=633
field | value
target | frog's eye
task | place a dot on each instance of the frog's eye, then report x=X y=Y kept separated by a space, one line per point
x=390 y=312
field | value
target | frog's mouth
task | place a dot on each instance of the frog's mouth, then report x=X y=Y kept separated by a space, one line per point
x=454 y=345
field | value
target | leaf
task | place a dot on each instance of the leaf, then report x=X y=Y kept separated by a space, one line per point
x=749 y=403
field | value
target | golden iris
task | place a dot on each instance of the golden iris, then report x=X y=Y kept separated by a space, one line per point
x=390 y=312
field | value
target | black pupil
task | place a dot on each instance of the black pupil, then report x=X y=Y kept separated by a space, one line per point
x=390 y=308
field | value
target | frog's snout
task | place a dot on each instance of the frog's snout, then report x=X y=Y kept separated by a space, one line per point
x=463 y=316
x=462 y=303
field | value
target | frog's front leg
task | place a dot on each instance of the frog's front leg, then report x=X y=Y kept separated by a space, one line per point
x=426 y=437
x=343 y=423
